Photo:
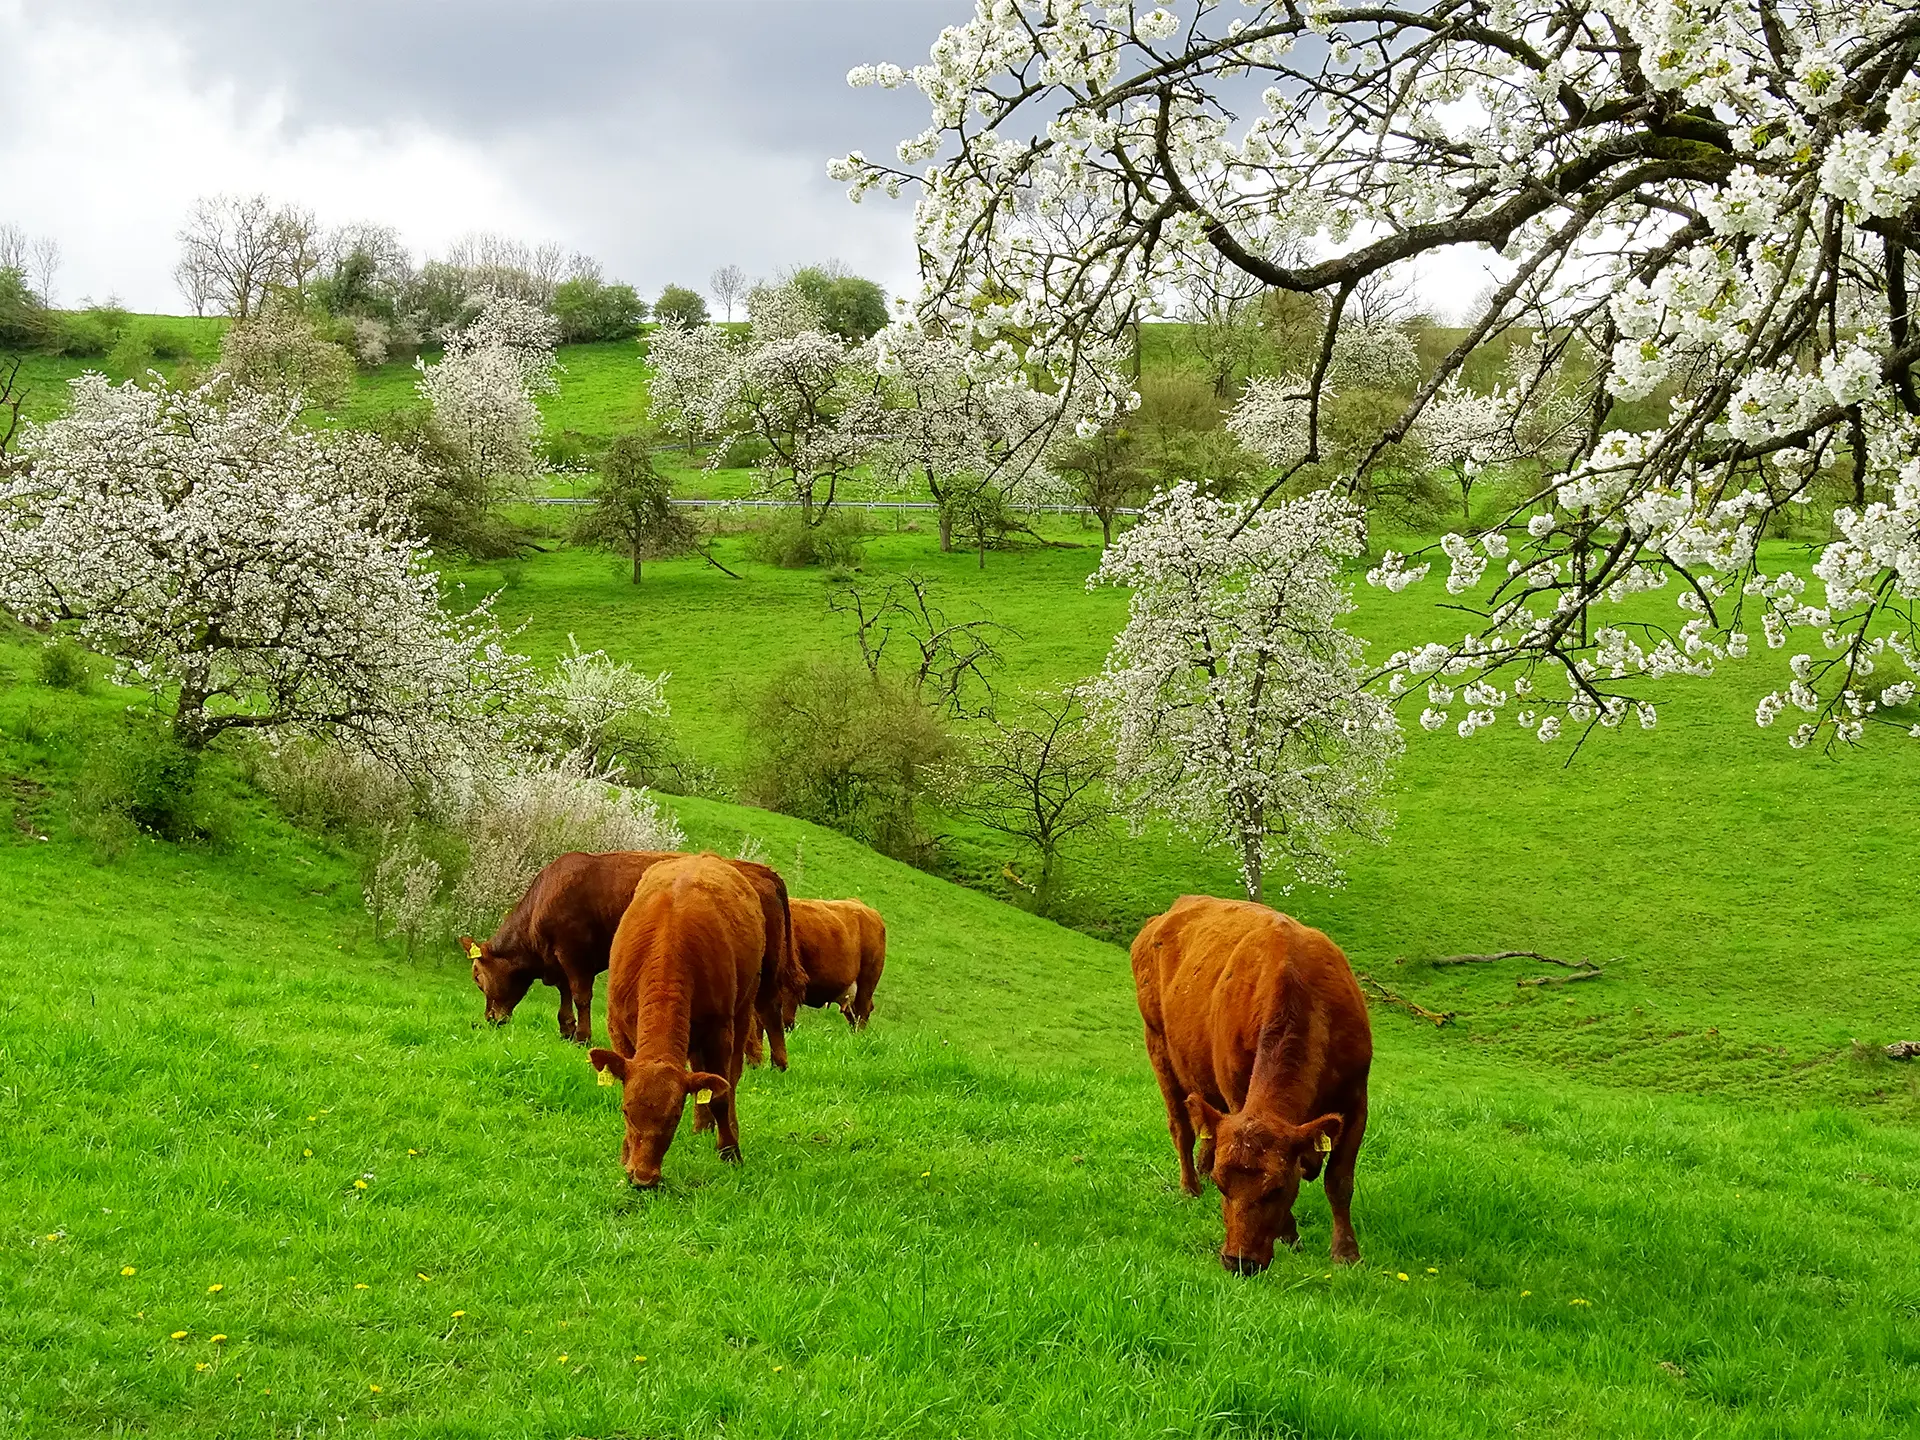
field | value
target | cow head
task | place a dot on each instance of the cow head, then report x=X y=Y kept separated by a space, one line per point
x=653 y=1095
x=1258 y=1162
x=500 y=983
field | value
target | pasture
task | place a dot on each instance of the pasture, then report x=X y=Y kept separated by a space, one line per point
x=1678 y=1199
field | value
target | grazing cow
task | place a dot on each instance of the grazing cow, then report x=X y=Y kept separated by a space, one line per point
x=560 y=931
x=842 y=946
x=1260 y=1040
x=682 y=993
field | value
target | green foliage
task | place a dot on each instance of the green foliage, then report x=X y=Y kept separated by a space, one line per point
x=93 y=331
x=630 y=509
x=25 y=324
x=836 y=540
x=853 y=308
x=589 y=309
x=144 y=777
x=846 y=749
x=678 y=305
x=63 y=665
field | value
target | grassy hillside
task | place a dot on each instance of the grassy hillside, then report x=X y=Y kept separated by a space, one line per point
x=964 y=1221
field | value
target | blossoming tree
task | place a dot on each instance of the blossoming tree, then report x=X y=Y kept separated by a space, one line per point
x=1718 y=200
x=1237 y=704
x=255 y=575
x=483 y=394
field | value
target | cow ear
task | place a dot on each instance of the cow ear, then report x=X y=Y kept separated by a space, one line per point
x=707 y=1088
x=609 y=1062
x=469 y=947
x=1317 y=1139
x=1206 y=1120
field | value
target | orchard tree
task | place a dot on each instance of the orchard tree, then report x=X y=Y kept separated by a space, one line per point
x=252 y=574
x=689 y=365
x=1237 y=704
x=482 y=395
x=630 y=507
x=1719 y=200
x=952 y=420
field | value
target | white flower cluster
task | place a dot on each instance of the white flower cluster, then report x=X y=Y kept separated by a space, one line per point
x=483 y=392
x=1714 y=200
x=1236 y=701
x=253 y=574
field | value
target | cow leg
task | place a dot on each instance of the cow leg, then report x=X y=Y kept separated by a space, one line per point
x=1339 y=1183
x=1178 y=1123
x=582 y=988
x=776 y=1035
x=863 y=996
x=566 y=1010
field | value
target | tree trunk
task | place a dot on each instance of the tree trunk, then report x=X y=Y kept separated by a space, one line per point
x=636 y=564
x=1106 y=527
x=982 y=538
x=1252 y=869
x=946 y=530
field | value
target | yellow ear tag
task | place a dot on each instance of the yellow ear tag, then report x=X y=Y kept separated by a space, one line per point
x=1323 y=1145
x=473 y=952
x=1204 y=1134
x=606 y=1077
x=703 y=1097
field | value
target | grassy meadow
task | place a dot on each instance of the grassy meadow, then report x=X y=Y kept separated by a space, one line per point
x=1676 y=1200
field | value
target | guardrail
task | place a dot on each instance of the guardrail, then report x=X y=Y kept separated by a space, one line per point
x=840 y=504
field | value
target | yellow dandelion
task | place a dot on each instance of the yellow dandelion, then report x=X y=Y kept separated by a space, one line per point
x=215 y=1289
x=216 y=1339
x=413 y=1152
x=562 y=1360
x=203 y=1365
x=54 y=1238
x=925 y=1173
x=179 y=1334
x=1525 y=1293
x=459 y=1314
x=308 y=1152
x=374 y=1388
x=778 y=1368
x=1400 y=1275
x=127 y=1270
x=359 y=1184
x=639 y=1359
x=1579 y=1302
x=312 y=1118
x=363 y=1287
x=1433 y=1270
x=423 y=1275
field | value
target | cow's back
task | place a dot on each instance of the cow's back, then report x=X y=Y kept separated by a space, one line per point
x=1213 y=975
x=695 y=925
x=577 y=902
x=829 y=936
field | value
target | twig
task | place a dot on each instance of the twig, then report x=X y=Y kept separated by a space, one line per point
x=1438 y=1017
x=707 y=555
x=1592 y=973
x=1581 y=964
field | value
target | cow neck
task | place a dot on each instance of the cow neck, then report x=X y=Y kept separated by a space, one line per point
x=664 y=1022
x=1286 y=1061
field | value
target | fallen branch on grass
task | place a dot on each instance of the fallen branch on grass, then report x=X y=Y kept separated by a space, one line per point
x=1592 y=972
x=1904 y=1050
x=1412 y=1007
x=1582 y=964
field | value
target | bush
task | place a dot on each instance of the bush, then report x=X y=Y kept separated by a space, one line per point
x=589 y=309
x=743 y=452
x=93 y=331
x=836 y=745
x=131 y=356
x=170 y=342
x=25 y=324
x=789 y=542
x=331 y=789
x=151 y=780
x=63 y=665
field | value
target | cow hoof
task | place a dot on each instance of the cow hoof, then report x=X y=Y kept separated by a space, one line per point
x=1242 y=1265
x=730 y=1154
x=1346 y=1257
x=1190 y=1187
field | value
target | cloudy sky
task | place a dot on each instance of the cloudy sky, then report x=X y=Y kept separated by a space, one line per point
x=665 y=137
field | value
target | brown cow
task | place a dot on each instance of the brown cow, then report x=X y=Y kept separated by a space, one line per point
x=560 y=931
x=1260 y=1040
x=842 y=946
x=682 y=992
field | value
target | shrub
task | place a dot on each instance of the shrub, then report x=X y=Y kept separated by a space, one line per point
x=131 y=356
x=528 y=820
x=148 y=778
x=331 y=789
x=838 y=746
x=789 y=542
x=92 y=331
x=170 y=342
x=63 y=666
x=589 y=309
x=743 y=452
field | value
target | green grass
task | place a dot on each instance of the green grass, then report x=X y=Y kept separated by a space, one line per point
x=964 y=1221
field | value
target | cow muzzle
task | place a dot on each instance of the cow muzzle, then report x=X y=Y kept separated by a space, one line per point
x=1243 y=1265
x=496 y=1019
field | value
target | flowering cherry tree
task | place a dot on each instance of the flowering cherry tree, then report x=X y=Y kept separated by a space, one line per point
x=688 y=363
x=483 y=392
x=958 y=424
x=1237 y=704
x=253 y=574
x=1716 y=202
